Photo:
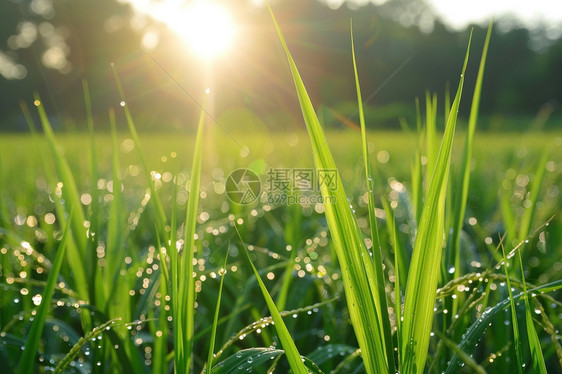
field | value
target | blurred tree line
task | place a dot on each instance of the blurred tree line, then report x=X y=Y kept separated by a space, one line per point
x=50 y=46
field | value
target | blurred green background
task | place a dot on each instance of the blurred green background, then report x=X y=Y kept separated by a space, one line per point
x=403 y=49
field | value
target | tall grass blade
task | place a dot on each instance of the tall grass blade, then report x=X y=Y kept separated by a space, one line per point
x=527 y=218
x=537 y=357
x=291 y=351
x=424 y=268
x=417 y=178
x=431 y=147
x=160 y=214
x=216 y=318
x=378 y=286
x=459 y=203
x=356 y=265
x=183 y=277
x=27 y=361
x=77 y=241
x=94 y=191
x=514 y=321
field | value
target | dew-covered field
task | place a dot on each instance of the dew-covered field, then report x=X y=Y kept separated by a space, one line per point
x=437 y=249
x=289 y=243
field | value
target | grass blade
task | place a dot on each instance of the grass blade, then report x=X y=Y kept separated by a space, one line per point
x=77 y=240
x=469 y=361
x=377 y=287
x=291 y=351
x=537 y=357
x=515 y=324
x=160 y=215
x=478 y=328
x=183 y=276
x=63 y=364
x=424 y=268
x=27 y=361
x=246 y=360
x=356 y=264
x=216 y=317
x=459 y=203
x=527 y=218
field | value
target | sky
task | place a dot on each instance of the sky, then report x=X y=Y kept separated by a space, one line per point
x=456 y=14
x=530 y=12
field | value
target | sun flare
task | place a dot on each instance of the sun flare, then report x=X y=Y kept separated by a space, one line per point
x=207 y=28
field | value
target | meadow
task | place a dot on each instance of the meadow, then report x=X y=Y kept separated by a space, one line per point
x=437 y=249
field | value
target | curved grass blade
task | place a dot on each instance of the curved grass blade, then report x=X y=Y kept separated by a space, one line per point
x=353 y=257
x=515 y=324
x=377 y=287
x=77 y=239
x=311 y=366
x=27 y=361
x=160 y=214
x=469 y=361
x=246 y=360
x=477 y=329
x=216 y=317
x=63 y=364
x=424 y=268
x=327 y=352
x=266 y=321
x=345 y=366
x=537 y=357
x=291 y=351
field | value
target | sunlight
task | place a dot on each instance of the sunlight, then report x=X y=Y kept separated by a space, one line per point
x=206 y=27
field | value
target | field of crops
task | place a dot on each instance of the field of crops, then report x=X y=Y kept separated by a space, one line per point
x=438 y=249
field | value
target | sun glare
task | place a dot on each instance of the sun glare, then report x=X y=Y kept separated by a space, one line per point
x=207 y=28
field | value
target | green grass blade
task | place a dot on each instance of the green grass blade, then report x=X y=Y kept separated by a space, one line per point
x=417 y=168
x=185 y=313
x=65 y=362
x=117 y=291
x=515 y=324
x=291 y=351
x=430 y=132
x=424 y=268
x=459 y=203
x=77 y=240
x=246 y=360
x=94 y=191
x=355 y=262
x=474 y=333
x=537 y=357
x=216 y=318
x=27 y=361
x=469 y=361
x=161 y=339
x=397 y=297
x=377 y=287
x=160 y=214
x=527 y=218
x=258 y=324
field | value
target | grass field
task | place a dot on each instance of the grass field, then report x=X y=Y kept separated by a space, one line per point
x=28 y=211
x=376 y=252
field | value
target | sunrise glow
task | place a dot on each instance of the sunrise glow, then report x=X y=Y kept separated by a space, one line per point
x=206 y=27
